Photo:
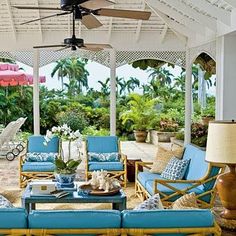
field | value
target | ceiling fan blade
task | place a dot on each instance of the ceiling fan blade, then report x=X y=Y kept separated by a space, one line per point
x=91 y=22
x=50 y=46
x=37 y=8
x=91 y=48
x=97 y=45
x=96 y=4
x=46 y=17
x=62 y=48
x=138 y=15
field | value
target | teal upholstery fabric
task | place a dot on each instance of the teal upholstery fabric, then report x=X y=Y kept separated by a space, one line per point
x=102 y=144
x=167 y=218
x=69 y=219
x=209 y=185
x=109 y=166
x=13 y=218
x=147 y=181
x=36 y=144
x=38 y=167
x=198 y=167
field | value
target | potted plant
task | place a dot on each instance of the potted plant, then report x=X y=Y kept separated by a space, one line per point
x=208 y=114
x=140 y=115
x=65 y=172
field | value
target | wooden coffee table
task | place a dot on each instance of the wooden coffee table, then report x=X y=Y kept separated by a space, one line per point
x=29 y=202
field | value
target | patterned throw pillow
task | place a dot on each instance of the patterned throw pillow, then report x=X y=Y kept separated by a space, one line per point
x=188 y=201
x=153 y=203
x=175 y=169
x=41 y=157
x=4 y=203
x=102 y=157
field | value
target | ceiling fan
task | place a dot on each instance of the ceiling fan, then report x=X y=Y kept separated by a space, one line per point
x=86 y=10
x=75 y=43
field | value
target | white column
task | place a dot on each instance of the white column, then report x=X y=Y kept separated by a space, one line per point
x=188 y=100
x=113 y=92
x=36 y=93
x=225 y=74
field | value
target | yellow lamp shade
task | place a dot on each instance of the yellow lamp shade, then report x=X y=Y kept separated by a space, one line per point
x=221 y=142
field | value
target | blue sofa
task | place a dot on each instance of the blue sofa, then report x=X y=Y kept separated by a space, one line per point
x=200 y=178
x=107 y=222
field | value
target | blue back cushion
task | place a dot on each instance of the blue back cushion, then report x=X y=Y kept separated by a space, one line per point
x=198 y=167
x=167 y=218
x=102 y=144
x=36 y=144
x=13 y=218
x=77 y=219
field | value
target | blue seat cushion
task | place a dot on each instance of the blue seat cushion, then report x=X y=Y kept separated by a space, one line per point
x=36 y=144
x=74 y=219
x=38 y=167
x=102 y=144
x=13 y=218
x=147 y=181
x=167 y=218
x=109 y=166
x=197 y=168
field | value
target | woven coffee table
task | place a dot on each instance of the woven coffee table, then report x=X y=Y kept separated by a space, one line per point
x=29 y=202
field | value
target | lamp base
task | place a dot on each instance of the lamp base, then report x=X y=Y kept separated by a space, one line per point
x=226 y=187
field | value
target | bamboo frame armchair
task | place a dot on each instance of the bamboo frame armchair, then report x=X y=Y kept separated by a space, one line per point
x=106 y=144
x=170 y=190
x=37 y=170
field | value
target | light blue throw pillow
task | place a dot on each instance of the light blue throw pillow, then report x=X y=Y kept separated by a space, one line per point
x=4 y=203
x=175 y=169
x=41 y=157
x=103 y=157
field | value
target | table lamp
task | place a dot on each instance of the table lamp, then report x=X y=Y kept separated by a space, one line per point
x=221 y=148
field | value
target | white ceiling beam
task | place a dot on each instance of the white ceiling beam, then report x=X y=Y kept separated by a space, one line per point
x=39 y=22
x=219 y=13
x=192 y=25
x=163 y=33
x=232 y=3
x=11 y=19
x=110 y=26
x=202 y=19
x=178 y=29
x=139 y=26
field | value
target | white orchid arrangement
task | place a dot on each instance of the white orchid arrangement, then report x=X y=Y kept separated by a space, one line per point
x=64 y=132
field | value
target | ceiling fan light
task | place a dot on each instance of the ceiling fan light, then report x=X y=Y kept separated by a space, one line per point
x=73 y=48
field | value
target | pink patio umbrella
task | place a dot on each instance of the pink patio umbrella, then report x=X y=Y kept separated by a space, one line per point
x=10 y=75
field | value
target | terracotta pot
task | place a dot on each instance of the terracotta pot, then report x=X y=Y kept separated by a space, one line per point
x=207 y=119
x=140 y=136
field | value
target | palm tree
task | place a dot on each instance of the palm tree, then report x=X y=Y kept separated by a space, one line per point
x=132 y=83
x=105 y=88
x=161 y=74
x=62 y=71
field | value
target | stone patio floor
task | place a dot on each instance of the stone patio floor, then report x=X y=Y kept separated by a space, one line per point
x=9 y=170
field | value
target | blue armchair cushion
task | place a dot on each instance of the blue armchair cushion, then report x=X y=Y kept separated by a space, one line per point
x=152 y=203
x=109 y=166
x=36 y=144
x=167 y=218
x=4 y=203
x=102 y=144
x=175 y=169
x=100 y=157
x=198 y=167
x=82 y=219
x=38 y=167
x=13 y=218
x=41 y=156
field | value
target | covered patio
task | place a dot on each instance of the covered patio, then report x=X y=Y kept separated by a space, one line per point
x=177 y=32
